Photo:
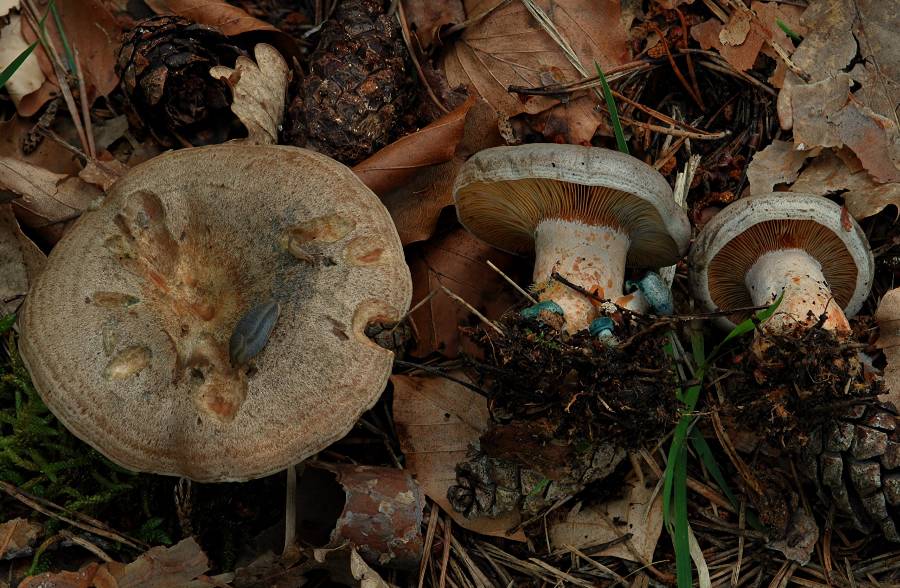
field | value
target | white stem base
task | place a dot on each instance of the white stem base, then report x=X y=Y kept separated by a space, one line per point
x=589 y=256
x=806 y=293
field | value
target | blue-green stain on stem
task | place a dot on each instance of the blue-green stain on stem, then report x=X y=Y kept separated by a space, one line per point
x=613 y=113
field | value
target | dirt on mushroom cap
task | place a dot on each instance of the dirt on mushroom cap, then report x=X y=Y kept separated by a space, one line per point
x=196 y=236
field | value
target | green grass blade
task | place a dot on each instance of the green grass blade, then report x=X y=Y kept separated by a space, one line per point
x=70 y=56
x=712 y=466
x=787 y=30
x=680 y=539
x=11 y=69
x=9 y=320
x=613 y=113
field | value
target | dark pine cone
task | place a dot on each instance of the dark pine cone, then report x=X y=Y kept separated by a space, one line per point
x=357 y=87
x=164 y=65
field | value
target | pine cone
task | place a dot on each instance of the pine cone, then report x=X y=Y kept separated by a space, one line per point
x=164 y=66
x=854 y=463
x=357 y=87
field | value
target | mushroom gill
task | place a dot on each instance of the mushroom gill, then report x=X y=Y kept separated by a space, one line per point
x=728 y=268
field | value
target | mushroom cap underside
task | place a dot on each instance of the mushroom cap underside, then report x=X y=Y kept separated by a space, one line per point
x=503 y=193
x=127 y=331
x=742 y=232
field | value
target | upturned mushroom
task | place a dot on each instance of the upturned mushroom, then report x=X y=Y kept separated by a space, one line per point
x=586 y=212
x=800 y=245
x=208 y=319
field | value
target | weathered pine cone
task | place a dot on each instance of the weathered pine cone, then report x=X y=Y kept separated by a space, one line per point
x=854 y=462
x=164 y=66
x=357 y=87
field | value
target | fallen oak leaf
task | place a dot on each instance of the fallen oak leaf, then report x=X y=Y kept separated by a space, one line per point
x=888 y=317
x=414 y=175
x=458 y=261
x=28 y=77
x=229 y=19
x=47 y=200
x=427 y=17
x=830 y=173
x=638 y=513
x=259 y=91
x=437 y=420
x=508 y=47
x=179 y=566
x=18 y=535
x=779 y=163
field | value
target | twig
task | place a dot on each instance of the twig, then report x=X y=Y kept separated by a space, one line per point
x=445 y=558
x=81 y=521
x=471 y=309
x=404 y=30
x=429 y=541
x=481 y=15
x=441 y=373
x=418 y=305
x=95 y=549
x=290 y=510
x=85 y=107
x=662 y=37
x=510 y=281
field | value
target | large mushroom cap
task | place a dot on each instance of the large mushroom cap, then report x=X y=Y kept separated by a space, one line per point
x=503 y=193
x=129 y=333
x=737 y=237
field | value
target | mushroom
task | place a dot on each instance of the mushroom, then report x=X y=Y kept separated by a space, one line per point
x=586 y=212
x=208 y=319
x=797 y=244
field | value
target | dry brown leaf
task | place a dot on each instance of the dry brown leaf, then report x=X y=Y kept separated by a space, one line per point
x=49 y=155
x=888 y=317
x=414 y=176
x=634 y=513
x=458 y=261
x=103 y=173
x=830 y=172
x=229 y=19
x=17 y=536
x=29 y=77
x=779 y=163
x=827 y=114
x=426 y=17
x=94 y=32
x=259 y=90
x=20 y=262
x=740 y=48
x=362 y=572
x=179 y=566
x=509 y=48
x=437 y=420
x=47 y=200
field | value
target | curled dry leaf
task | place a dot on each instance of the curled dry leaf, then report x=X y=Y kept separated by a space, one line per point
x=229 y=19
x=414 y=176
x=259 y=90
x=103 y=173
x=17 y=536
x=508 y=47
x=830 y=172
x=888 y=317
x=743 y=37
x=179 y=566
x=20 y=263
x=367 y=577
x=638 y=512
x=47 y=200
x=91 y=30
x=437 y=420
x=827 y=114
x=29 y=77
x=826 y=110
x=779 y=163
x=458 y=261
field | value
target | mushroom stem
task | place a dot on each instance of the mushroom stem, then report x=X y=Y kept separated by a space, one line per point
x=591 y=256
x=806 y=292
